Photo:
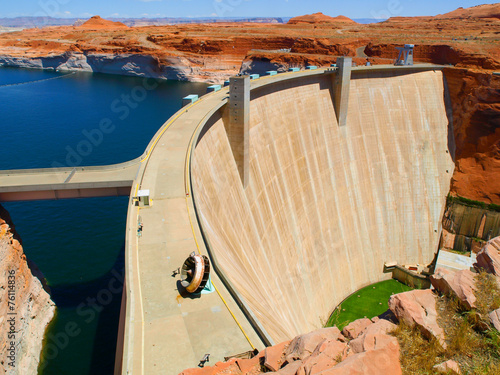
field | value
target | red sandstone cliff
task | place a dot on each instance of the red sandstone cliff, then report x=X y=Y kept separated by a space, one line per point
x=25 y=307
x=475 y=98
x=454 y=53
x=491 y=11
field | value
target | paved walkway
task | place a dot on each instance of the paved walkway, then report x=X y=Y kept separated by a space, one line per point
x=165 y=332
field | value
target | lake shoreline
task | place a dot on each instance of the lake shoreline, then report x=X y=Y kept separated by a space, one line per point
x=134 y=65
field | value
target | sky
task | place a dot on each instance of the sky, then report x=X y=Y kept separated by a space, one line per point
x=377 y=9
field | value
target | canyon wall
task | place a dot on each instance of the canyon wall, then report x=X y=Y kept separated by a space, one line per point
x=25 y=307
x=195 y=69
x=468 y=228
x=475 y=98
x=444 y=54
x=326 y=206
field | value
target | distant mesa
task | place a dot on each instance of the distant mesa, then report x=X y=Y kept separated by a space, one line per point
x=480 y=11
x=97 y=22
x=485 y=12
x=319 y=18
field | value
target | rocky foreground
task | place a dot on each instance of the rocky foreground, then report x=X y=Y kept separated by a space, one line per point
x=369 y=346
x=25 y=307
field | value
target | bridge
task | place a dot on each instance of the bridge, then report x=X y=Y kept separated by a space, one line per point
x=64 y=183
x=327 y=199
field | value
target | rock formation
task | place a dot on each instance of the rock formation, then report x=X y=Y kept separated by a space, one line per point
x=418 y=307
x=448 y=367
x=475 y=100
x=354 y=329
x=489 y=257
x=319 y=18
x=489 y=11
x=25 y=307
x=495 y=319
x=217 y=51
x=372 y=336
x=460 y=284
x=325 y=351
x=96 y=23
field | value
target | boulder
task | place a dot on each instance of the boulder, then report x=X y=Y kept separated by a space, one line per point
x=229 y=367
x=274 y=356
x=198 y=371
x=495 y=319
x=489 y=257
x=247 y=365
x=418 y=307
x=381 y=361
x=374 y=337
x=354 y=329
x=325 y=356
x=447 y=367
x=460 y=284
x=322 y=351
x=290 y=369
x=304 y=345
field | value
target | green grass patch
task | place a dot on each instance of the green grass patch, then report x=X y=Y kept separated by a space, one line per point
x=370 y=301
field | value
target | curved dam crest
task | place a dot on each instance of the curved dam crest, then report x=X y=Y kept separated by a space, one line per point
x=325 y=205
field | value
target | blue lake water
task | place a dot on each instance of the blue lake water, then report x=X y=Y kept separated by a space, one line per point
x=52 y=120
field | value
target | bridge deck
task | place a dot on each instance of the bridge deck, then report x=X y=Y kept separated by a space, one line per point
x=59 y=183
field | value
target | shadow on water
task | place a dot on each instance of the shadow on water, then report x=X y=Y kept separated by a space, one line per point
x=104 y=348
x=97 y=303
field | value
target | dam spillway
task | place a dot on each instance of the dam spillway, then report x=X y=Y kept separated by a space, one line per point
x=325 y=206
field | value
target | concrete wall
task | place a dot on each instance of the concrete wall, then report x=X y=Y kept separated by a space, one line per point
x=325 y=206
x=412 y=279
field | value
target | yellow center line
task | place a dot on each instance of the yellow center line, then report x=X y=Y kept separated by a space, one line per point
x=187 y=177
x=187 y=183
x=166 y=127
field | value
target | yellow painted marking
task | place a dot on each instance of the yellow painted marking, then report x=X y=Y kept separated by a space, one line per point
x=187 y=182
x=215 y=287
x=188 y=193
x=165 y=128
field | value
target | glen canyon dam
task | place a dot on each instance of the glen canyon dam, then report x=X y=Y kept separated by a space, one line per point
x=298 y=187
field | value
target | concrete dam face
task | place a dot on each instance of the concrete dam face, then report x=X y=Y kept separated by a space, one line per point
x=325 y=205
